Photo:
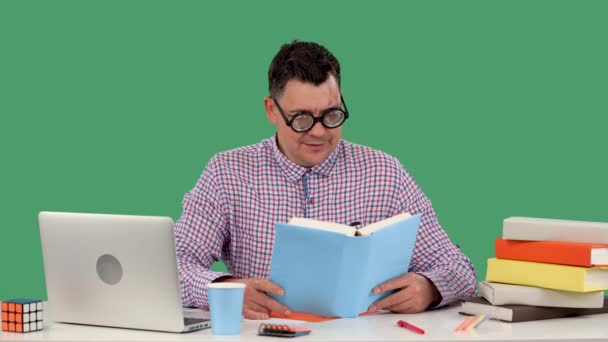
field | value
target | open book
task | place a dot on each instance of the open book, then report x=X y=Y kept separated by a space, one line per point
x=330 y=270
x=347 y=230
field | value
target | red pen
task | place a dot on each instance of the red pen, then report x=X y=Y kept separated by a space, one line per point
x=411 y=327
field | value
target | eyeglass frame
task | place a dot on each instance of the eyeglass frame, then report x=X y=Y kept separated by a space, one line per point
x=315 y=119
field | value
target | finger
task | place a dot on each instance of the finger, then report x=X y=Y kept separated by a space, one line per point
x=392 y=300
x=267 y=303
x=252 y=314
x=270 y=304
x=251 y=305
x=396 y=283
x=407 y=306
x=267 y=286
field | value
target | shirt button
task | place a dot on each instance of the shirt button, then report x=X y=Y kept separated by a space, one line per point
x=311 y=201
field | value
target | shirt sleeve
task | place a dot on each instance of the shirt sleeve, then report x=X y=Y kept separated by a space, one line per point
x=435 y=256
x=201 y=235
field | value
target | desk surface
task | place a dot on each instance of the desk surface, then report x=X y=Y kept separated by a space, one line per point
x=439 y=326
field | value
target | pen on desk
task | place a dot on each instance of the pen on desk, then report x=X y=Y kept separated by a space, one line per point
x=411 y=327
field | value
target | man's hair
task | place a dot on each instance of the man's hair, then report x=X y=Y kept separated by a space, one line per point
x=303 y=61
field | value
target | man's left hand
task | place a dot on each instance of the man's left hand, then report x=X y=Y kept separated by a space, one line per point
x=414 y=294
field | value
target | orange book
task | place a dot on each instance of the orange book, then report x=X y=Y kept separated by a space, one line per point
x=553 y=252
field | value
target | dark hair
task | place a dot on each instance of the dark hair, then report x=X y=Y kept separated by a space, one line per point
x=303 y=61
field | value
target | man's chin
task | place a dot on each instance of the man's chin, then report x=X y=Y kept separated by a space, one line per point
x=315 y=160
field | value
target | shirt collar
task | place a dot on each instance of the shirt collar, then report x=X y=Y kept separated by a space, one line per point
x=294 y=172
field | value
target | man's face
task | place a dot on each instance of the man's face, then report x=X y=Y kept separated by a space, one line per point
x=314 y=146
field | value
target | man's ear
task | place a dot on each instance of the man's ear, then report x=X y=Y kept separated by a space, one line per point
x=270 y=110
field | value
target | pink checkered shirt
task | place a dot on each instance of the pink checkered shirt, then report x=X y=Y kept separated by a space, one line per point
x=231 y=212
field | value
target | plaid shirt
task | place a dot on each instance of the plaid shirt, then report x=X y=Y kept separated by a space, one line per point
x=231 y=212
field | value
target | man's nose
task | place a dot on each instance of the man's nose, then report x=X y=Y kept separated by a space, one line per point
x=317 y=129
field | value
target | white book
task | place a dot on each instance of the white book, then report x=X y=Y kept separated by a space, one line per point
x=539 y=229
x=505 y=294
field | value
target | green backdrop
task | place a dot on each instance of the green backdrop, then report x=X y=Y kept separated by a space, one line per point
x=497 y=108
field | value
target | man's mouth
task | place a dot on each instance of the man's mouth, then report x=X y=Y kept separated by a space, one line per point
x=313 y=144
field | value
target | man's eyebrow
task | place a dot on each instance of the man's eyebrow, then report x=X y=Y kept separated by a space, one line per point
x=297 y=110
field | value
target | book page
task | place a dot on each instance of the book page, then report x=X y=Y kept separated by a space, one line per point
x=371 y=228
x=597 y=277
x=599 y=251
x=323 y=225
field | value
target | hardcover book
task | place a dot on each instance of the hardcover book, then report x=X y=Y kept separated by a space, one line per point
x=550 y=276
x=501 y=294
x=523 y=313
x=330 y=270
x=553 y=252
x=539 y=229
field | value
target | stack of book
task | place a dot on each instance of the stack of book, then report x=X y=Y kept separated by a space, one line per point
x=545 y=269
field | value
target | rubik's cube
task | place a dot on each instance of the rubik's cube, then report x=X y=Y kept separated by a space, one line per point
x=21 y=315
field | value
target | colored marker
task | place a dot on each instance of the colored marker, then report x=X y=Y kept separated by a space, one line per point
x=465 y=323
x=478 y=322
x=411 y=327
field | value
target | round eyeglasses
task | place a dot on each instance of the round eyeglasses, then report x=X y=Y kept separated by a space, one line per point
x=304 y=121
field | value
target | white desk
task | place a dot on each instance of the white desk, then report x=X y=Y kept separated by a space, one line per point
x=439 y=326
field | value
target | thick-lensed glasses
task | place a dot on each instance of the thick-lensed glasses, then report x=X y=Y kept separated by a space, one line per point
x=304 y=121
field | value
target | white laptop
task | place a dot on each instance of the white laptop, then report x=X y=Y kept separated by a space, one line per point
x=113 y=270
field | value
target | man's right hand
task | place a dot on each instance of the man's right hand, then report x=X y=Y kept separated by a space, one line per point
x=257 y=304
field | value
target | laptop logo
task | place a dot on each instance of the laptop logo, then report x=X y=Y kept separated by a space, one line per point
x=109 y=269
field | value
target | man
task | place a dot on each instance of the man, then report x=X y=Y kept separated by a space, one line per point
x=306 y=170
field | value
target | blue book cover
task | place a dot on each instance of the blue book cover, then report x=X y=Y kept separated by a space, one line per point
x=332 y=273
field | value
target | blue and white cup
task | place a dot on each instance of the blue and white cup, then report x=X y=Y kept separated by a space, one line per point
x=226 y=307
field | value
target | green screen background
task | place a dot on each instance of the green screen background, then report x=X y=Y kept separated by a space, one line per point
x=497 y=108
